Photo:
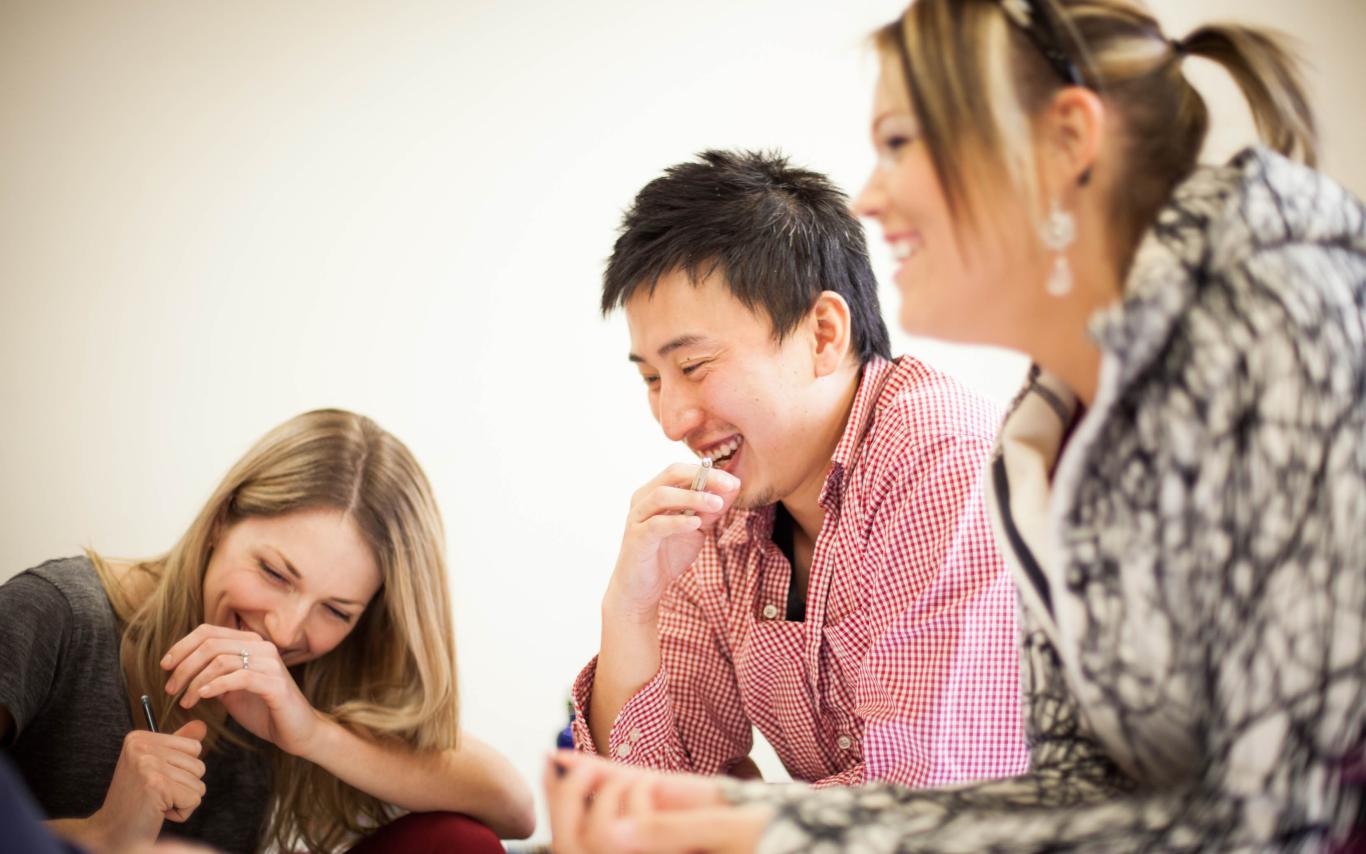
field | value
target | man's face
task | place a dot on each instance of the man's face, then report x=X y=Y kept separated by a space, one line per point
x=719 y=382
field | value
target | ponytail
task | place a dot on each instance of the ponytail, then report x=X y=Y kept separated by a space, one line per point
x=1266 y=72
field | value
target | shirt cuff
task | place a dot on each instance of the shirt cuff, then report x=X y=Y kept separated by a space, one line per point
x=644 y=732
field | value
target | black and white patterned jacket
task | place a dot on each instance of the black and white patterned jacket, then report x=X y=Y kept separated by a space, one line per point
x=1193 y=568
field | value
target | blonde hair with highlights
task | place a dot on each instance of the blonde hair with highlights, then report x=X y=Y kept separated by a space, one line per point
x=975 y=80
x=394 y=674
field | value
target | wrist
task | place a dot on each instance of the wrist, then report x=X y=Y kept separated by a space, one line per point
x=321 y=741
x=92 y=833
x=617 y=610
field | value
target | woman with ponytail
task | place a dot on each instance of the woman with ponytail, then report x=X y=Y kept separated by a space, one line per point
x=295 y=651
x=1180 y=486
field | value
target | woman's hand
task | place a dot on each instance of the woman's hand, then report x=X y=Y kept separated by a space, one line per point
x=599 y=806
x=158 y=776
x=247 y=675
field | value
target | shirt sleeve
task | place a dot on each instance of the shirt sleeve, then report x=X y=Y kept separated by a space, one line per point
x=1073 y=797
x=1069 y=772
x=35 y=627
x=939 y=689
x=689 y=717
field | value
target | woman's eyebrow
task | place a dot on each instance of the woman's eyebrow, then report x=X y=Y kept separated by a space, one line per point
x=299 y=577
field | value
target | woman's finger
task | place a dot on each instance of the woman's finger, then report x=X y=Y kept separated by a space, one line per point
x=183 y=791
x=261 y=684
x=713 y=830
x=684 y=792
x=224 y=664
x=261 y=654
x=183 y=761
x=608 y=805
x=570 y=785
x=205 y=631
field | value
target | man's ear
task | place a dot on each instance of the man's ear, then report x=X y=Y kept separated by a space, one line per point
x=830 y=331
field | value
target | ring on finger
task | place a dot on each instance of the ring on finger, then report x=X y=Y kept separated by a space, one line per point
x=246 y=659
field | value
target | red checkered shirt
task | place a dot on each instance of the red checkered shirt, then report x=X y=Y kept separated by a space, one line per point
x=905 y=668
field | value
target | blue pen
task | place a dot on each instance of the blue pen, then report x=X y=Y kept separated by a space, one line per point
x=147 y=710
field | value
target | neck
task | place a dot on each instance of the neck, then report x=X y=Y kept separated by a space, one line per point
x=803 y=503
x=1061 y=344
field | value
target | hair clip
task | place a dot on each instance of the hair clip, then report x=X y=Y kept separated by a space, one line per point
x=1033 y=21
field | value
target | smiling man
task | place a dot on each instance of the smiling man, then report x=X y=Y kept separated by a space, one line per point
x=834 y=581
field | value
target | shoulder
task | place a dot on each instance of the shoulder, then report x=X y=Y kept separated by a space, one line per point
x=67 y=584
x=1249 y=291
x=922 y=404
x=922 y=417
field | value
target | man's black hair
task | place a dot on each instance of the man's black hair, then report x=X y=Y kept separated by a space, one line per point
x=778 y=235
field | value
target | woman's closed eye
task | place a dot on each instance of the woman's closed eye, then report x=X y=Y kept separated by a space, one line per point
x=896 y=142
x=277 y=577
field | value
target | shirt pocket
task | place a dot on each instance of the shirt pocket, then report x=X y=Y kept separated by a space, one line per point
x=843 y=654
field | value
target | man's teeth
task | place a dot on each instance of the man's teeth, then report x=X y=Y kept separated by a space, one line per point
x=724 y=451
x=904 y=248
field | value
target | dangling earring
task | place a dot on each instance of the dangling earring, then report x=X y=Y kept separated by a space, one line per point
x=1057 y=233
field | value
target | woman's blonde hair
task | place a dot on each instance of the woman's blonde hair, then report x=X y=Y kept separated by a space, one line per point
x=975 y=75
x=394 y=674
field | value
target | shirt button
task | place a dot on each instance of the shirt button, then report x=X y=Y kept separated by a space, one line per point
x=634 y=736
x=624 y=750
x=770 y=611
x=844 y=742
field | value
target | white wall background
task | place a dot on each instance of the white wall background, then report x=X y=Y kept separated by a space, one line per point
x=214 y=216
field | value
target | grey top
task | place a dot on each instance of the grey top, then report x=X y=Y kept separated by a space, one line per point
x=61 y=681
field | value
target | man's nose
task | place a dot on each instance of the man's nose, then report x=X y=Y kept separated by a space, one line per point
x=679 y=412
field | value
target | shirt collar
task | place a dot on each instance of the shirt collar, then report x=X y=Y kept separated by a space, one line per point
x=1170 y=266
x=877 y=379
x=872 y=384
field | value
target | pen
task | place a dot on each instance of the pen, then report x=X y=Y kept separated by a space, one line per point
x=147 y=710
x=700 y=479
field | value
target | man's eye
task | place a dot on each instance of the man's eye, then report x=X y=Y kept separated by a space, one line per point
x=692 y=366
x=649 y=381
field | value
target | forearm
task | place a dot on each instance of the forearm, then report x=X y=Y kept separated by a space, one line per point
x=80 y=831
x=627 y=660
x=472 y=779
x=1022 y=818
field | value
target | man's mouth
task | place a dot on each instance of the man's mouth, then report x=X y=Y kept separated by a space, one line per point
x=721 y=452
